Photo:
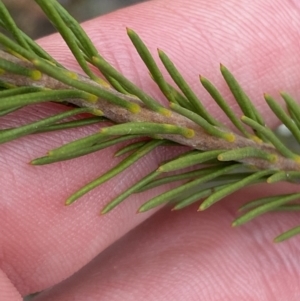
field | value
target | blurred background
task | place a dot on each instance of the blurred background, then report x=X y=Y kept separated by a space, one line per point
x=31 y=19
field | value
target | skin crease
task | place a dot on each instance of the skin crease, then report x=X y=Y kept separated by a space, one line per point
x=171 y=256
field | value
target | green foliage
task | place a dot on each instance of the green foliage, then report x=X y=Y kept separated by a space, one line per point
x=221 y=162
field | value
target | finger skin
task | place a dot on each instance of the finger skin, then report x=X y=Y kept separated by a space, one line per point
x=189 y=256
x=43 y=242
x=7 y=290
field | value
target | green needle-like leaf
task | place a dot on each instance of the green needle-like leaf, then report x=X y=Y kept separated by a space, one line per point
x=197 y=197
x=292 y=176
x=246 y=152
x=141 y=152
x=150 y=63
x=212 y=130
x=255 y=178
x=272 y=138
x=50 y=9
x=191 y=159
x=271 y=205
x=240 y=96
x=77 y=152
x=185 y=88
x=169 y=195
x=5 y=112
x=71 y=79
x=72 y=124
x=12 y=134
x=8 y=66
x=150 y=102
x=146 y=128
x=129 y=148
x=288 y=234
x=283 y=116
x=129 y=191
x=215 y=94
x=40 y=96
x=11 y=26
x=260 y=201
x=293 y=108
x=191 y=175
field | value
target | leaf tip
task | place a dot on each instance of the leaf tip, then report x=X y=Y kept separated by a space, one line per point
x=202 y=207
x=104 y=211
x=68 y=202
x=234 y=224
x=130 y=31
x=222 y=67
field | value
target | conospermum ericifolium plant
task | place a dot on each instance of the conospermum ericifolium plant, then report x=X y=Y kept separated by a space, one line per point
x=218 y=160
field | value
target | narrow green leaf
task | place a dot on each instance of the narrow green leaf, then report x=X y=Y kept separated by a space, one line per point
x=197 y=197
x=51 y=11
x=81 y=143
x=240 y=96
x=131 y=159
x=169 y=195
x=11 y=67
x=288 y=176
x=247 y=152
x=185 y=88
x=288 y=207
x=39 y=97
x=78 y=152
x=85 y=42
x=117 y=85
x=216 y=95
x=147 y=128
x=129 y=191
x=293 y=107
x=272 y=138
x=12 y=134
x=288 y=234
x=11 y=26
x=129 y=148
x=150 y=63
x=17 y=91
x=191 y=175
x=5 y=112
x=190 y=159
x=283 y=116
x=149 y=101
x=70 y=79
x=253 y=179
x=72 y=124
x=180 y=99
x=38 y=50
x=15 y=49
x=212 y=130
x=271 y=205
x=260 y=201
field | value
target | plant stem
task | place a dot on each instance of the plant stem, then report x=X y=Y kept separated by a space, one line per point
x=201 y=139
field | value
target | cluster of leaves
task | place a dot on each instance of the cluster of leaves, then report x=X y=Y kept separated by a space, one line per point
x=216 y=168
